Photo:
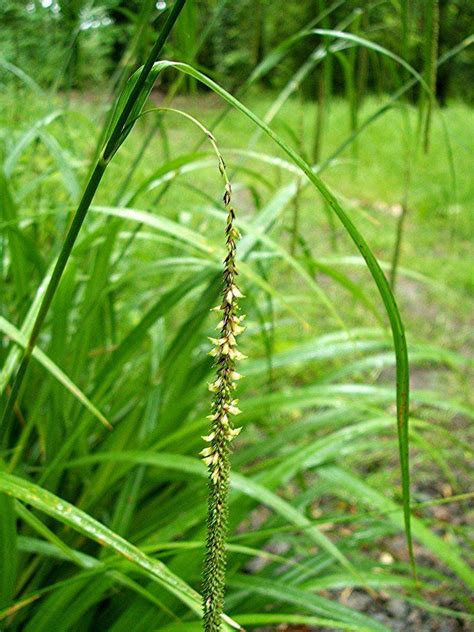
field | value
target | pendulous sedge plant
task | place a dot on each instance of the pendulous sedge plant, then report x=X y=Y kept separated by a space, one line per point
x=138 y=494
x=222 y=431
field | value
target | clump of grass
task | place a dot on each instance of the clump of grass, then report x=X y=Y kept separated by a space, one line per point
x=127 y=110
x=222 y=431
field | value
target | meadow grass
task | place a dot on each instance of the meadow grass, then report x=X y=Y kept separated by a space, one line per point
x=319 y=445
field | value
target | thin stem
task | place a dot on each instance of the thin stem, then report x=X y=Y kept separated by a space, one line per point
x=295 y=220
x=405 y=201
x=398 y=245
x=431 y=78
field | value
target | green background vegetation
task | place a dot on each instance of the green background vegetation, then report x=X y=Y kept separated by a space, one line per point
x=89 y=517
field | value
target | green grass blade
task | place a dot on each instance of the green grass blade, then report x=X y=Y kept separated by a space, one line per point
x=8 y=550
x=361 y=41
x=19 y=264
x=78 y=520
x=23 y=76
x=348 y=483
x=14 y=355
x=383 y=286
x=14 y=334
x=307 y=601
x=243 y=484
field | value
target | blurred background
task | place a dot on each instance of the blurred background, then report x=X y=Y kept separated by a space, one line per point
x=82 y=44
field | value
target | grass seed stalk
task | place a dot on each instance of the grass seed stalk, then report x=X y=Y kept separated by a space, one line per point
x=222 y=432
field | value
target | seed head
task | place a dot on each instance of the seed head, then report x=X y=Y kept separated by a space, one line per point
x=222 y=432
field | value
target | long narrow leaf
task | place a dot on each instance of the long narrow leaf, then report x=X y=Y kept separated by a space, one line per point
x=383 y=286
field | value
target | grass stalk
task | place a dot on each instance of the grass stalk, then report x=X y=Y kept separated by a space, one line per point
x=398 y=243
x=404 y=204
x=431 y=71
x=323 y=87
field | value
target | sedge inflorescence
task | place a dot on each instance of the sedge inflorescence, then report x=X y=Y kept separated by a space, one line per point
x=222 y=431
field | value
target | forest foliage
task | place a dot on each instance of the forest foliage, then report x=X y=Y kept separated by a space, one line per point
x=80 y=42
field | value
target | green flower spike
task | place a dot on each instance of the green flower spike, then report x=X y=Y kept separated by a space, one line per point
x=222 y=432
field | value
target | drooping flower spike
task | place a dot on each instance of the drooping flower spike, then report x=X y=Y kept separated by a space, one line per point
x=222 y=432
